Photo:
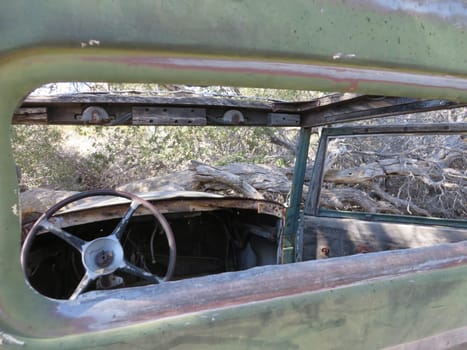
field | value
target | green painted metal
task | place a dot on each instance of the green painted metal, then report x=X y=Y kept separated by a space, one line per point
x=312 y=203
x=409 y=48
x=319 y=44
x=404 y=219
x=371 y=315
x=312 y=199
x=370 y=33
x=290 y=236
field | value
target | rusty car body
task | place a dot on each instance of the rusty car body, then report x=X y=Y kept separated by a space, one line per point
x=282 y=295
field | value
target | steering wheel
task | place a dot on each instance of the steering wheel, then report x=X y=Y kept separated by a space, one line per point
x=104 y=255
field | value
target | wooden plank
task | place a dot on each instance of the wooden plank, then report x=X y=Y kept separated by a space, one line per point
x=150 y=99
x=146 y=115
x=30 y=115
x=283 y=119
x=412 y=129
x=372 y=107
x=320 y=102
x=325 y=110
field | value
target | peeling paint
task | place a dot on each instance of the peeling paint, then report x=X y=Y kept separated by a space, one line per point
x=340 y=55
x=352 y=76
x=90 y=42
x=94 y=42
x=7 y=339
x=443 y=9
x=15 y=209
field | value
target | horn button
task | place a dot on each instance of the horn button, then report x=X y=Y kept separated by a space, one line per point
x=103 y=256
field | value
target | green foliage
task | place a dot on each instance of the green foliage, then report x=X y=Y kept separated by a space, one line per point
x=38 y=152
x=79 y=158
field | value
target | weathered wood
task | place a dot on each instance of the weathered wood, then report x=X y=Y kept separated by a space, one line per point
x=173 y=99
x=318 y=112
x=177 y=181
x=186 y=98
x=84 y=213
x=411 y=207
x=390 y=166
x=381 y=168
x=30 y=115
x=340 y=198
x=35 y=202
x=205 y=173
x=276 y=138
x=436 y=171
x=263 y=178
x=147 y=115
x=372 y=107
x=283 y=119
x=409 y=129
x=323 y=101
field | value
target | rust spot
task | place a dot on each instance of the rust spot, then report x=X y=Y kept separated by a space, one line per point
x=363 y=248
x=325 y=251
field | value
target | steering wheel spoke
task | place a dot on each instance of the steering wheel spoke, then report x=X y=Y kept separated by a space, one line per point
x=72 y=240
x=83 y=284
x=118 y=231
x=139 y=272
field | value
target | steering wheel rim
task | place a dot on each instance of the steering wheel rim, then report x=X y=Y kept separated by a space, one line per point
x=103 y=255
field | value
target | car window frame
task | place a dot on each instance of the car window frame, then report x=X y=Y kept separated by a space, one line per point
x=312 y=206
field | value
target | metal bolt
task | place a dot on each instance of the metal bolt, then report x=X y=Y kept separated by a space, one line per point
x=104 y=259
x=325 y=251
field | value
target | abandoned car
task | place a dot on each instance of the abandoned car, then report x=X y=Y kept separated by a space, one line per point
x=346 y=263
x=191 y=235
